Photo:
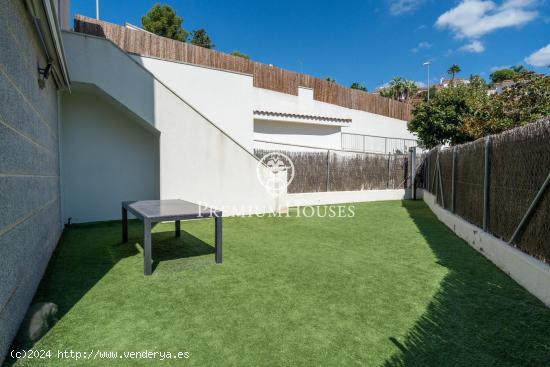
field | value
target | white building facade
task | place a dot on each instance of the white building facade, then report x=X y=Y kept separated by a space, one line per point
x=262 y=118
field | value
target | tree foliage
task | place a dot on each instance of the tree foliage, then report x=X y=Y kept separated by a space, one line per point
x=467 y=112
x=359 y=86
x=163 y=21
x=528 y=100
x=330 y=80
x=433 y=92
x=501 y=75
x=441 y=119
x=519 y=69
x=240 y=54
x=507 y=73
x=199 y=37
x=399 y=89
x=453 y=70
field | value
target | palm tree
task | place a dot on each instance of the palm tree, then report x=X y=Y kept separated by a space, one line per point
x=409 y=89
x=403 y=89
x=397 y=86
x=400 y=89
x=453 y=70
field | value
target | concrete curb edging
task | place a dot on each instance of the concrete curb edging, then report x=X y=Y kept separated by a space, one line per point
x=530 y=273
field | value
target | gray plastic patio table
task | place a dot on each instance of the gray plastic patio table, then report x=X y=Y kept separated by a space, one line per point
x=154 y=211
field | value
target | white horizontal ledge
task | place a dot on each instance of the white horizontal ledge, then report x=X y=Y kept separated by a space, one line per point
x=531 y=273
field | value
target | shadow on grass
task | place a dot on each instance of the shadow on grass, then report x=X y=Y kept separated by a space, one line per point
x=165 y=247
x=479 y=317
x=87 y=252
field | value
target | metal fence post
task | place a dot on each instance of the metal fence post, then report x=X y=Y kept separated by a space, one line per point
x=487 y=172
x=413 y=172
x=328 y=170
x=388 y=181
x=405 y=172
x=453 y=181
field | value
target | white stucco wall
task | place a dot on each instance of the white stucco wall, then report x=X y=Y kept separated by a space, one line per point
x=223 y=97
x=199 y=162
x=108 y=157
x=294 y=133
x=362 y=122
x=228 y=99
x=372 y=124
x=302 y=104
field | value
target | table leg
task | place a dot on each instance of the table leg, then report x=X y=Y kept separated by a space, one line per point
x=147 y=260
x=124 y=225
x=218 y=224
x=178 y=228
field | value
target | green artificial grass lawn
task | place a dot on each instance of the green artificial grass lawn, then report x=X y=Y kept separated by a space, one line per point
x=390 y=287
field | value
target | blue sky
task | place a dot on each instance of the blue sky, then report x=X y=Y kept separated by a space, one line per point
x=368 y=41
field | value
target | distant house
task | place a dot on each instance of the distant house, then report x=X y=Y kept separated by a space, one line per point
x=498 y=88
x=445 y=83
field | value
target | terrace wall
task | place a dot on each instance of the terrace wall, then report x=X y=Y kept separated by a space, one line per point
x=30 y=223
x=265 y=76
x=108 y=156
x=198 y=161
x=207 y=90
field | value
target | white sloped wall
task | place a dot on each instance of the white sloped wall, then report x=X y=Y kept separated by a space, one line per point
x=198 y=161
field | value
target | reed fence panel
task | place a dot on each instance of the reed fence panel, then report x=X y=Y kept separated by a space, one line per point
x=342 y=171
x=469 y=182
x=519 y=164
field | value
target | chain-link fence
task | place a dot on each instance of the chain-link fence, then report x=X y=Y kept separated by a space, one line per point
x=377 y=144
x=500 y=183
x=344 y=171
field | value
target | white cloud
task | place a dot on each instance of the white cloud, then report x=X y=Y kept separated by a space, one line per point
x=475 y=18
x=517 y=3
x=422 y=45
x=540 y=58
x=495 y=68
x=475 y=47
x=398 y=7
